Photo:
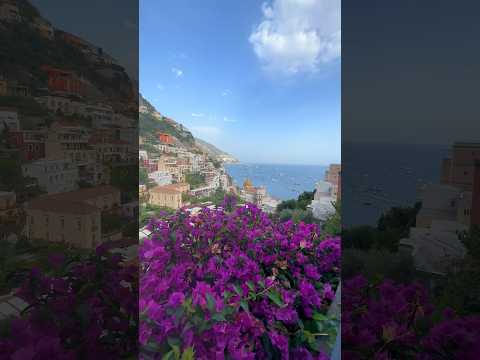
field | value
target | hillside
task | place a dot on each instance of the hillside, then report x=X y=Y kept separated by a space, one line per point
x=152 y=121
x=213 y=151
x=29 y=52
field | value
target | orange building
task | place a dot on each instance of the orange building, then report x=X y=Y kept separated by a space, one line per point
x=459 y=169
x=165 y=138
x=64 y=81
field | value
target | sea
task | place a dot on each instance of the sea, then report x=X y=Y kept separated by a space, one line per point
x=377 y=177
x=283 y=182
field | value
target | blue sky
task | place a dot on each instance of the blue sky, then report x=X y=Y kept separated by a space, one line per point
x=261 y=82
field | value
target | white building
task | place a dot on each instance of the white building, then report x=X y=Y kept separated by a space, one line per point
x=322 y=203
x=9 y=117
x=434 y=249
x=102 y=115
x=54 y=176
x=65 y=104
x=434 y=241
x=161 y=177
x=142 y=155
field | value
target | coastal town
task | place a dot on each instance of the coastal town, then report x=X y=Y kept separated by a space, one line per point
x=68 y=149
x=175 y=174
x=449 y=209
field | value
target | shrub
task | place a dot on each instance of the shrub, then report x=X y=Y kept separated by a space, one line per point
x=86 y=309
x=394 y=321
x=236 y=285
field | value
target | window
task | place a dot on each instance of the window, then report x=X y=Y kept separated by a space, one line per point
x=62 y=222
x=79 y=224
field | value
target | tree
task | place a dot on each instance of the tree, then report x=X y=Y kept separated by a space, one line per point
x=399 y=219
x=333 y=224
x=287 y=204
x=304 y=199
x=195 y=179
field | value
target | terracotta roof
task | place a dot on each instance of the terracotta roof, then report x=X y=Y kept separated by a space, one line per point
x=176 y=186
x=61 y=206
x=79 y=195
x=165 y=189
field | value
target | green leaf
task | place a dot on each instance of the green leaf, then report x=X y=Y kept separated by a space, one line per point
x=238 y=290
x=251 y=286
x=219 y=317
x=173 y=342
x=210 y=303
x=244 y=305
x=319 y=316
x=227 y=295
x=188 y=354
x=275 y=297
x=168 y=356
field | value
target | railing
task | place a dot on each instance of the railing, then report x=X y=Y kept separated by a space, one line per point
x=335 y=309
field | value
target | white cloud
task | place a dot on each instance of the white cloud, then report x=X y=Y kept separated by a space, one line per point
x=226 y=119
x=160 y=87
x=198 y=115
x=226 y=92
x=177 y=72
x=205 y=131
x=298 y=35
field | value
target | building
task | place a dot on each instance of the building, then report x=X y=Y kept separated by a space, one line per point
x=458 y=169
x=252 y=194
x=8 y=209
x=72 y=217
x=68 y=105
x=74 y=222
x=102 y=115
x=69 y=141
x=166 y=196
x=332 y=175
x=142 y=155
x=203 y=191
x=3 y=87
x=44 y=28
x=323 y=200
x=165 y=138
x=448 y=210
x=53 y=176
x=182 y=187
x=30 y=143
x=9 y=119
x=64 y=82
x=14 y=88
x=9 y=11
x=161 y=177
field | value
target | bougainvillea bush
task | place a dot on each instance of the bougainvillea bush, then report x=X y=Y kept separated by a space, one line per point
x=395 y=321
x=85 y=309
x=236 y=285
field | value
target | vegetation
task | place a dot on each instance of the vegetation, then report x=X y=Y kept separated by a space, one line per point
x=235 y=284
x=195 y=179
x=149 y=211
x=144 y=179
x=333 y=224
x=148 y=124
x=296 y=210
x=125 y=177
x=392 y=227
